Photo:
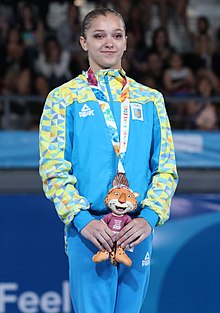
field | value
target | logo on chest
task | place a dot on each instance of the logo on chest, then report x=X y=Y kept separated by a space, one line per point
x=137 y=112
x=86 y=111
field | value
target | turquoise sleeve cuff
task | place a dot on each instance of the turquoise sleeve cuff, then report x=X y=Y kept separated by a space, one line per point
x=150 y=216
x=82 y=219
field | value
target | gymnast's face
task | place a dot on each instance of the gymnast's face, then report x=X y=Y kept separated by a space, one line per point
x=105 y=42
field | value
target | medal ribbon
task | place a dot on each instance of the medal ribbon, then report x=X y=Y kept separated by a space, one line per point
x=119 y=144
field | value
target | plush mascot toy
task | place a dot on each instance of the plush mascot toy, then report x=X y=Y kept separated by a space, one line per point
x=120 y=200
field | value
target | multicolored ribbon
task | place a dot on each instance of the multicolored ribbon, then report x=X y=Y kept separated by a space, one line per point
x=119 y=144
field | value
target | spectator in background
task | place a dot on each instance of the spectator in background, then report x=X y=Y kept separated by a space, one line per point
x=134 y=14
x=68 y=35
x=135 y=23
x=53 y=62
x=161 y=44
x=154 y=72
x=202 y=45
x=7 y=19
x=202 y=113
x=20 y=84
x=203 y=50
x=41 y=89
x=31 y=28
x=203 y=28
x=56 y=14
x=216 y=58
x=164 y=7
x=134 y=58
x=69 y=30
x=124 y=8
x=24 y=88
x=23 y=32
x=179 y=79
x=41 y=86
x=179 y=82
x=14 y=53
x=179 y=10
x=204 y=72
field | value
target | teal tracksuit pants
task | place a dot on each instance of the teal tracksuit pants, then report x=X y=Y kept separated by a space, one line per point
x=102 y=287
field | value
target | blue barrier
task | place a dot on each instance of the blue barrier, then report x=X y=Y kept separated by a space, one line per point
x=19 y=149
x=197 y=149
x=185 y=269
x=34 y=270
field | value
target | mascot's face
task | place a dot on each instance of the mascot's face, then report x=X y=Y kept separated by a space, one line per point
x=121 y=200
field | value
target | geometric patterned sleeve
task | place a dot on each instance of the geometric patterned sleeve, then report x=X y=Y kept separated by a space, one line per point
x=163 y=165
x=54 y=168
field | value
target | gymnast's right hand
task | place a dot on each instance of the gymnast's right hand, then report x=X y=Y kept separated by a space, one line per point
x=99 y=234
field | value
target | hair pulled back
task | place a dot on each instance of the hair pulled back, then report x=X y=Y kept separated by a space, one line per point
x=86 y=24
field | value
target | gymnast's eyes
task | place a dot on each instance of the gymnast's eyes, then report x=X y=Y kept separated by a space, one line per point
x=99 y=36
x=118 y=36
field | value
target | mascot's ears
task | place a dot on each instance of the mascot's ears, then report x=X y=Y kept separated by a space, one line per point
x=136 y=194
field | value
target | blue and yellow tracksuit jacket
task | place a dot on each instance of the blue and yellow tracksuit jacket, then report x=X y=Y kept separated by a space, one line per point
x=77 y=160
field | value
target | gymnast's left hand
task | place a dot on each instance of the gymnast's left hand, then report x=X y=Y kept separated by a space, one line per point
x=134 y=233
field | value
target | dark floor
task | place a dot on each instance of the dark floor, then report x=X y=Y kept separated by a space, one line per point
x=190 y=181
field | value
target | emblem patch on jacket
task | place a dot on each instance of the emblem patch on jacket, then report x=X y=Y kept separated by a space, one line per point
x=137 y=112
x=86 y=111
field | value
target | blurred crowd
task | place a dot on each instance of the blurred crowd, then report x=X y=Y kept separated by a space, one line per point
x=39 y=50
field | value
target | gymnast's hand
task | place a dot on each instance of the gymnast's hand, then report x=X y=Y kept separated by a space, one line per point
x=134 y=233
x=99 y=234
